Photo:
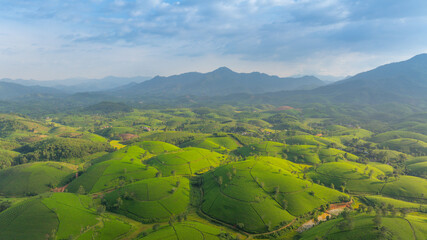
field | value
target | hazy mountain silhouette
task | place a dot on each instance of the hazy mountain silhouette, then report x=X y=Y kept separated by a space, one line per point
x=220 y=82
x=12 y=91
x=74 y=85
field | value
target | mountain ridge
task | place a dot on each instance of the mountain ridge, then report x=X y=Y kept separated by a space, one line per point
x=220 y=82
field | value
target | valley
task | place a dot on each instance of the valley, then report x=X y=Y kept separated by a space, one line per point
x=210 y=173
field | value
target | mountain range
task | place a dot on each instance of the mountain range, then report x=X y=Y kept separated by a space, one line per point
x=401 y=82
x=75 y=85
x=220 y=82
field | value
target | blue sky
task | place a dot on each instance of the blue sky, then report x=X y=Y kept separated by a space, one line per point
x=56 y=39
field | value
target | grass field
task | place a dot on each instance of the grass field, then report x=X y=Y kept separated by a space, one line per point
x=73 y=213
x=407 y=187
x=157 y=147
x=151 y=200
x=379 y=138
x=406 y=145
x=186 y=162
x=220 y=144
x=111 y=174
x=354 y=176
x=116 y=144
x=378 y=200
x=312 y=140
x=385 y=168
x=28 y=220
x=417 y=166
x=266 y=148
x=34 y=178
x=185 y=230
x=59 y=216
x=363 y=228
x=250 y=194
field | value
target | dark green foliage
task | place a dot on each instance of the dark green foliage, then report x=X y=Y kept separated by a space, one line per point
x=8 y=126
x=108 y=107
x=30 y=220
x=59 y=149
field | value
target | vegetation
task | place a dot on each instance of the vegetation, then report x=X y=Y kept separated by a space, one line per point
x=212 y=173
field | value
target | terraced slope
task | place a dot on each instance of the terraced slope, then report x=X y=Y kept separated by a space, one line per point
x=258 y=197
x=157 y=147
x=185 y=230
x=359 y=178
x=114 y=170
x=410 y=228
x=30 y=220
x=186 y=162
x=34 y=178
x=59 y=216
x=151 y=200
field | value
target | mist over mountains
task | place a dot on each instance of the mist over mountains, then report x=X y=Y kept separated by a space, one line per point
x=75 y=85
x=401 y=82
x=220 y=82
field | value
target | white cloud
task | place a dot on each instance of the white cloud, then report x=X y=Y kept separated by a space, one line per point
x=145 y=37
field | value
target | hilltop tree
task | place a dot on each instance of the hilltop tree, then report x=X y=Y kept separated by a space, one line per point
x=81 y=190
x=220 y=180
x=377 y=220
x=100 y=209
x=284 y=204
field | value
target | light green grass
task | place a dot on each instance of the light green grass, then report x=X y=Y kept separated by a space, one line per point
x=30 y=220
x=186 y=162
x=151 y=200
x=185 y=230
x=378 y=200
x=250 y=196
x=34 y=178
x=157 y=147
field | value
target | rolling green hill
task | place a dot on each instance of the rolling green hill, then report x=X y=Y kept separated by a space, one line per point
x=114 y=170
x=258 y=197
x=59 y=149
x=185 y=230
x=417 y=166
x=30 y=219
x=186 y=162
x=34 y=178
x=379 y=138
x=157 y=147
x=358 y=178
x=59 y=216
x=151 y=200
x=406 y=145
x=363 y=228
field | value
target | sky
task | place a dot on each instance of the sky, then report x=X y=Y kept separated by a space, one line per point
x=58 y=39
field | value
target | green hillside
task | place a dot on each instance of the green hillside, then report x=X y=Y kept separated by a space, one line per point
x=185 y=230
x=157 y=147
x=417 y=166
x=34 y=178
x=358 y=178
x=362 y=227
x=114 y=170
x=59 y=216
x=383 y=137
x=59 y=149
x=258 y=197
x=30 y=220
x=151 y=200
x=406 y=145
x=186 y=162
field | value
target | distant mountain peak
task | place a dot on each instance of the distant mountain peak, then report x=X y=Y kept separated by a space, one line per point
x=220 y=82
x=419 y=57
x=223 y=70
